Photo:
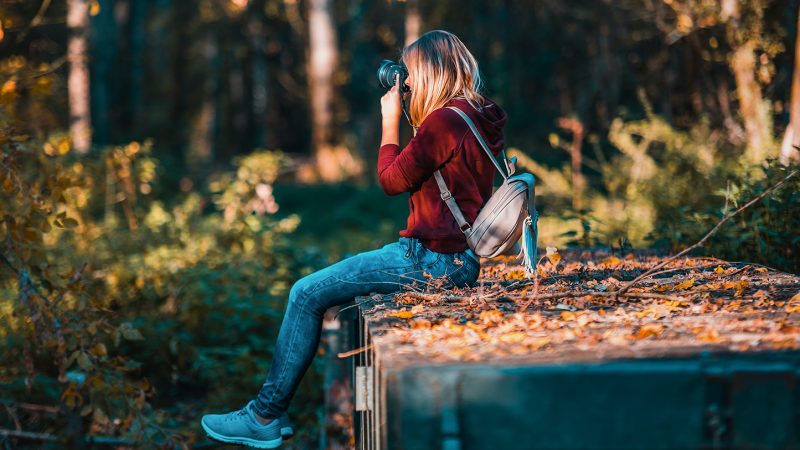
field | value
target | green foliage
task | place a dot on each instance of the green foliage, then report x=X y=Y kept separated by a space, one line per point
x=668 y=187
x=657 y=171
x=61 y=331
x=363 y=218
x=766 y=232
x=122 y=306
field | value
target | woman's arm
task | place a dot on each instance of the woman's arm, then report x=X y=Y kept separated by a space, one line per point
x=391 y=110
x=405 y=170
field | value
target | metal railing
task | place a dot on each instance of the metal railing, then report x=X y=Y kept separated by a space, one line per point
x=369 y=392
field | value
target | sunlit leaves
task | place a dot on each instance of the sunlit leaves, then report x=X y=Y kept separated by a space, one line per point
x=62 y=221
x=71 y=396
x=694 y=304
x=611 y=262
x=250 y=190
x=648 y=330
x=403 y=314
x=128 y=332
x=553 y=256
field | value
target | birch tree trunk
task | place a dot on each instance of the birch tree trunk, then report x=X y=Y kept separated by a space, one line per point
x=78 y=78
x=413 y=21
x=332 y=162
x=752 y=107
x=792 y=136
x=322 y=59
x=204 y=129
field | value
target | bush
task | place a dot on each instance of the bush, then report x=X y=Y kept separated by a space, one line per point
x=767 y=232
x=130 y=312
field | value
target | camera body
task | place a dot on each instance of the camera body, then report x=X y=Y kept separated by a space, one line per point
x=387 y=72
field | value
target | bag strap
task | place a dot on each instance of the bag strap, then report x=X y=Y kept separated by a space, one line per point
x=448 y=198
x=482 y=142
x=451 y=203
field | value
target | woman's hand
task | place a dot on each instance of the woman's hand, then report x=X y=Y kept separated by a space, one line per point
x=391 y=104
x=391 y=109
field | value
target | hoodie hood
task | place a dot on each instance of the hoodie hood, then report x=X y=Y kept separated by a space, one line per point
x=490 y=121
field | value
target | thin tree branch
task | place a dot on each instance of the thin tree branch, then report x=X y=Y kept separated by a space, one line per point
x=37 y=20
x=354 y=351
x=705 y=238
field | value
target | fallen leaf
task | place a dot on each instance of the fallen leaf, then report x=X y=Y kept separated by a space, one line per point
x=740 y=286
x=515 y=275
x=403 y=314
x=553 y=255
x=708 y=335
x=568 y=315
x=420 y=324
x=649 y=330
x=719 y=269
x=538 y=343
x=491 y=316
x=611 y=261
x=514 y=337
x=584 y=319
x=663 y=287
x=685 y=285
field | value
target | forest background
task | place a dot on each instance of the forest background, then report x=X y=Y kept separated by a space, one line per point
x=169 y=169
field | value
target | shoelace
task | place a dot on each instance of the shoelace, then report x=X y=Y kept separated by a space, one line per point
x=236 y=415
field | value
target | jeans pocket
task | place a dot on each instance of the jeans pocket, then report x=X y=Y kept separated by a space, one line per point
x=427 y=259
x=465 y=273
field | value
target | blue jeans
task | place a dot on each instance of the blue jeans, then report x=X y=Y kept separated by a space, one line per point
x=392 y=268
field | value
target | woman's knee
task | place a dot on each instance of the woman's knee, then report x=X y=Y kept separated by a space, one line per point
x=298 y=294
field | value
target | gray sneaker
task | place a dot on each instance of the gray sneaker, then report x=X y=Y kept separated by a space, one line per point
x=286 y=427
x=242 y=427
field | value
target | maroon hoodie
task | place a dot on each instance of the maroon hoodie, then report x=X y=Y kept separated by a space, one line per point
x=445 y=142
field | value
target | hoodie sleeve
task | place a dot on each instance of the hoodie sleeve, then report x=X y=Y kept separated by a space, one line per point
x=434 y=144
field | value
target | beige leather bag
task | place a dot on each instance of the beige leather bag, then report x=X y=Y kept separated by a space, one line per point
x=509 y=214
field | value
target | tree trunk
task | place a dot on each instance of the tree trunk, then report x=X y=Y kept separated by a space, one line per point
x=413 y=21
x=752 y=107
x=792 y=136
x=204 y=129
x=322 y=59
x=78 y=79
x=574 y=126
x=256 y=32
x=332 y=163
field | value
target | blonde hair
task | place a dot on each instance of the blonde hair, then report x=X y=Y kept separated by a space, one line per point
x=441 y=68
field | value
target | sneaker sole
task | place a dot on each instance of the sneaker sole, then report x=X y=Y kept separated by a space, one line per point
x=287 y=433
x=275 y=443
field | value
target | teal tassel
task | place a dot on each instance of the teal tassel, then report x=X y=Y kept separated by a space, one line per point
x=530 y=234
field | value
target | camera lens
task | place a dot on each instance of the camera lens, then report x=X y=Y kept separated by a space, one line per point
x=387 y=72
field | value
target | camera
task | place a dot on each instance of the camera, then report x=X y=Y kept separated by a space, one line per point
x=387 y=71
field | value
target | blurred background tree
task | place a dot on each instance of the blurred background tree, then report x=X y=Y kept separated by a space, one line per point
x=168 y=169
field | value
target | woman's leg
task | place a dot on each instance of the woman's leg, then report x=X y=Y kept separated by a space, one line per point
x=388 y=269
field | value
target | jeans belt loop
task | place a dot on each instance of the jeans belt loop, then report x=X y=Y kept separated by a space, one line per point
x=472 y=255
x=412 y=250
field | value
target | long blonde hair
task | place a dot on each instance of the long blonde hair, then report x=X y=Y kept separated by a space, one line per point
x=441 y=68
